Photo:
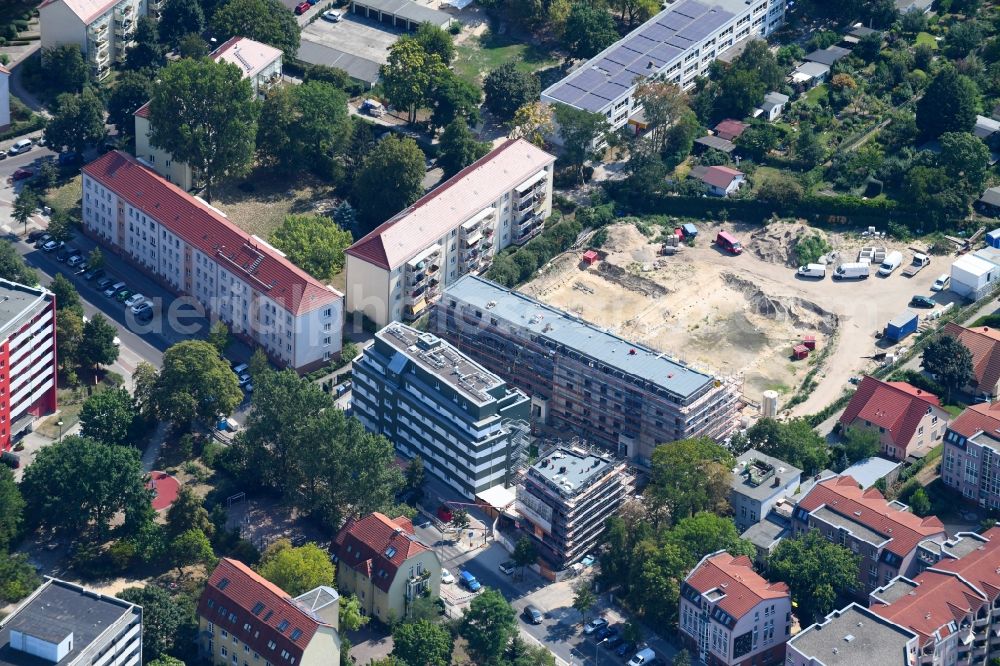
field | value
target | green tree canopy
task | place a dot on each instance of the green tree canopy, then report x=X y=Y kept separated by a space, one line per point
x=705 y=533
x=13 y=268
x=218 y=336
x=12 y=505
x=296 y=570
x=25 y=204
x=18 y=578
x=390 y=179
x=816 y=570
x=949 y=104
x=408 y=75
x=305 y=127
x=191 y=547
x=162 y=618
x=188 y=511
x=436 y=40
x=131 y=90
x=793 y=441
x=422 y=642
x=688 y=476
x=860 y=444
x=508 y=89
x=488 y=626
x=195 y=383
x=589 y=30
x=97 y=346
x=314 y=243
x=459 y=148
x=69 y=335
x=452 y=97
x=77 y=122
x=147 y=52
x=578 y=129
x=949 y=361
x=203 y=113
x=267 y=21
x=110 y=417
x=965 y=158
x=179 y=18
x=67 y=297
x=64 y=68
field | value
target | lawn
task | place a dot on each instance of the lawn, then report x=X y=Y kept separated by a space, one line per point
x=259 y=204
x=65 y=196
x=478 y=55
x=813 y=96
x=954 y=410
x=927 y=39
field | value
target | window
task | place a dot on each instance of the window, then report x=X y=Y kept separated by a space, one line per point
x=258 y=608
x=270 y=646
x=282 y=626
x=224 y=651
x=295 y=634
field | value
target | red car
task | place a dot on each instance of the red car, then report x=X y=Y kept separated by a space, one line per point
x=302 y=8
x=21 y=174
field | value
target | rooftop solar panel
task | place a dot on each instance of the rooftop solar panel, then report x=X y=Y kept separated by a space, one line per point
x=679 y=42
x=567 y=93
x=624 y=78
x=691 y=8
x=640 y=44
x=665 y=52
x=610 y=91
x=592 y=103
x=674 y=21
x=706 y=25
x=623 y=56
x=609 y=67
x=656 y=32
x=588 y=79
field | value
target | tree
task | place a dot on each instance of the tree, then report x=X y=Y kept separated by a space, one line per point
x=920 y=503
x=13 y=268
x=191 y=547
x=965 y=158
x=460 y=520
x=508 y=89
x=267 y=21
x=162 y=618
x=688 y=476
x=60 y=226
x=351 y=617
x=860 y=444
x=305 y=127
x=793 y=441
x=487 y=626
x=458 y=147
x=949 y=362
x=757 y=57
x=110 y=417
x=218 y=336
x=962 y=39
x=682 y=658
x=314 y=243
x=780 y=190
x=66 y=295
x=146 y=52
x=583 y=598
x=131 y=90
x=13 y=509
x=192 y=46
x=422 y=642
x=705 y=533
x=179 y=18
x=144 y=379
x=97 y=480
x=18 y=578
x=187 y=512
x=78 y=121
x=24 y=206
x=435 y=40
x=453 y=97
x=525 y=553
x=69 y=335
x=203 y=113
x=532 y=122
x=808 y=148
x=579 y=130
x=408 y=74
x=740 y=90
x=390 y=179
x=949 y=104
x=195 y=383
x=332 y=75
x=64 y=68
x=868 y=47
x=663 y=105
x=589 y=30
x=296 y=570
x=758 y=140
x=816 y=571
x=98 y=345
x=634 y=12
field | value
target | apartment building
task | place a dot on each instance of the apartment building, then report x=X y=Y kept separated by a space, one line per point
x=564 y=501
x=850 y=636
x=259 y=63
x=909 y=420
x=971 y=461
x=381 y=562
x=884 y=534
x=731 y=616
x=677 y=45
x=66 y=624
x=469 y=427
x=757 y=484
x=27 y=358
x=243 y=618
x=103 y=29
x=4 y=97
x=400 y=268
x=193 y=250
x=983 y=342
x=582 y=379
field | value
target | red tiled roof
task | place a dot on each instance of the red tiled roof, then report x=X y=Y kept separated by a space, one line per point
x=938 y=599
x=743 y=587
x=981 y=567
x=246 y=591
x=364 y=545
x=904 y=530
x=983 y=417
x=252 y=261
x=896 y=406
x=719 y=176
x=730 y=129
x=984 y=344
x=142 y=111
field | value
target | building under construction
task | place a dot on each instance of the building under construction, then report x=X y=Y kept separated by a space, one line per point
x=469 y=427
x=584 y=380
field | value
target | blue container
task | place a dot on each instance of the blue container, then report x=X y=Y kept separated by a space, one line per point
x=691 y=230
x=901 y=326
x=993 y=238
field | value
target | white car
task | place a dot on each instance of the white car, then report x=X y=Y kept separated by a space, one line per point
x=134 y=299
x=332 y=15
x=140 y=306
x=446 y=577
x=244 y=379
x=941 y=282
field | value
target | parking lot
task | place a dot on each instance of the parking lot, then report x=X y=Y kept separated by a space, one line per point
x=354 y=35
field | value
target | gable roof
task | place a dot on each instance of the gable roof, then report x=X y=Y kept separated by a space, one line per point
x=730 y=129
x=247 y=257
x=717 y=176
x=938 y=599
x=986 y=127
x=85 y=10
x=712 y=141
x=250 y=56
x=991 y=196
x=983 y=343
x=742 y=587
x=234 y=589
x=902 y=530
x=982 y=417
x=896 y=406
x=398 y=239
x=981 y=567
x=376 y=546
x=829 y=55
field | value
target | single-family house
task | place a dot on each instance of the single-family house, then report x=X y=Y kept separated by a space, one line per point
x=722 y=181
x=922 y=6
x=983 y=342
x=828 y=56
x=973 y=277
x=809 y=75
x=909 y=421
x=856 y=34
x=730 y=129
x=989 y=203
x=773 y=106
x=986 y=128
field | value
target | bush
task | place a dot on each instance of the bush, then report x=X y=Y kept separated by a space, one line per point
x=210 y=454
x=918 y=379
x=810 y=248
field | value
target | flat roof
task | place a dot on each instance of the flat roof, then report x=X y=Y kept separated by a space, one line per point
x=644 y=52
x=812 y=69
x=250 y=56
x=868 y=471
x=767 y=532
x=973 y=264
x=571 y=469
x=438 y=358
x=356 y=67
x=757 y=481
x=854 y=636
x=56 y=610
x=18 y=301
x=577 y=334
x=406 y=9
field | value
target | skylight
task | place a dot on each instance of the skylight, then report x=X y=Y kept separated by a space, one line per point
x=223 y=583
x=258 y=608
x=283 y=625
x=390 y=551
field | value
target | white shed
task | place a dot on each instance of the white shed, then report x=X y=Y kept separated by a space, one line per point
x=972 y=277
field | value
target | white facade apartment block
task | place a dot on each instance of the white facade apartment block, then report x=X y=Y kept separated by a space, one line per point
x=193 y=250
x=400 y=268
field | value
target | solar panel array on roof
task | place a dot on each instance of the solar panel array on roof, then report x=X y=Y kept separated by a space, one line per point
x=643 y=52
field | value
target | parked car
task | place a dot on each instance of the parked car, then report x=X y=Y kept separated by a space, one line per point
x=533 y=615
x=66 y=253
x=507 y=567
x=240 y=369
x=34 y=235
x=42 y=240
x=22 y=173
x=244 y=379
x=52 y=246
x=22 y=146
x=607 y=633
x=139 y=306
x=594 y=625
x=941 y=283
x=124 y=295
x=625 y=648
x=614 y=642
x=94 y=273
x=3 y=155
x=446 y=577
x=81 y=268
x=114 y=289
x=332 y=15
x=344 y=388
x=75 y=260
x=469 y=581
x=302 y=8
x=144 y=312
x=643 y=657
x=104 y=282
x=134 y=299
x=10 y=459
x=921 y=302
x=812 y=271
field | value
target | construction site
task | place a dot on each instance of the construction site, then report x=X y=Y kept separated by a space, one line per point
x=748 y=316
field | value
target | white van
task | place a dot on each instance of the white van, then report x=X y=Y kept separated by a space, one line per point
x=643 y=656
x=890 y=263
x=941 y=283
x=813 y=271
x=22 y=146
x=852 y=271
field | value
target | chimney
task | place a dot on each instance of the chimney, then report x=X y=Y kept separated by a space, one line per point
x=777 y=482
